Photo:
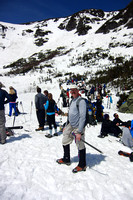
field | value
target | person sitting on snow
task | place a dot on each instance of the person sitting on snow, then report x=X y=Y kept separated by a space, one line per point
x=118 y=122
x=109 y=126
x=127 y=136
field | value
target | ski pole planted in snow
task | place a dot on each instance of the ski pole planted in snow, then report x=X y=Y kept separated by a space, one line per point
x=22 y=109
x=14 y=120
x=31 y=109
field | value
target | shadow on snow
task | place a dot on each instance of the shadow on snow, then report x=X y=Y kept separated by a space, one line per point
x=20 y=137
x=91 y=159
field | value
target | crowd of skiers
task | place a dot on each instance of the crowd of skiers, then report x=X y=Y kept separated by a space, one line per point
x=74 y=128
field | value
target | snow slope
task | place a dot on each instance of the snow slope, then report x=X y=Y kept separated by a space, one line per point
x=28 y=168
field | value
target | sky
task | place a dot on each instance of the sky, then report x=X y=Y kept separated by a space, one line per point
x=22 y=11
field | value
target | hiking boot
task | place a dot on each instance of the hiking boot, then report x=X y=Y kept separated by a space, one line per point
x=55 y=134
x=101 y=136
x=62 y=161
x=79 y=169
x=3 y=141
x=9 y=133
x=40 y=129
x=48 y=136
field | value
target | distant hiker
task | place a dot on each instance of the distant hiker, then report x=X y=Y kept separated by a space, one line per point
x=64 y=97
x=91 y=120
x=99 y=109
x=104 y=90
x=109 y=101
x=127 y=136
x=75 y=130
x=50 y=107
x=12 y=103
x=40 y=100
x=3 y=95
x=99 y=89
x=92 y=90
x=68 y=96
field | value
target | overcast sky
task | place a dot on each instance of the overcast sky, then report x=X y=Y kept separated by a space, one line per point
x=21 y=11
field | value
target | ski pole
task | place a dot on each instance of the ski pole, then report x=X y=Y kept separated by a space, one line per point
x=31 y=109
x=22 y=109
x=14 y=120
x=58 y=100
x=91 y=146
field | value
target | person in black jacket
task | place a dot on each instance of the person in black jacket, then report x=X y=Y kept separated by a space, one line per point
x=99 y=109
x=3 y=95
x=12 y=103
x=40 y=100
x=118 y=122
x=50 y=107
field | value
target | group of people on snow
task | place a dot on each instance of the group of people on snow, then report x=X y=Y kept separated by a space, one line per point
x=74 y=128
x=113 y=127
x=45 y=111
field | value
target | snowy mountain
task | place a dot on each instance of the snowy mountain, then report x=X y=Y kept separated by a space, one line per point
x=92 y=39
x=90 y=43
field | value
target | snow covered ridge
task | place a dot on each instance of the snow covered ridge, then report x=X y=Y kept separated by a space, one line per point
x=69 y=44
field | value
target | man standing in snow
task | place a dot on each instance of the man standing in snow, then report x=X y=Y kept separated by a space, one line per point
x=3 y=95
x=75 y=129
x=40 y=100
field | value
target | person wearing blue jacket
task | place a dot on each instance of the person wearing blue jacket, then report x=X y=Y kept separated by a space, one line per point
x=50 y=107
x=4 y=98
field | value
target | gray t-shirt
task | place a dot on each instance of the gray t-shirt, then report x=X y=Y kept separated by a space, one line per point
x=40 y=100
x=127 y=138
x=77 y=115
